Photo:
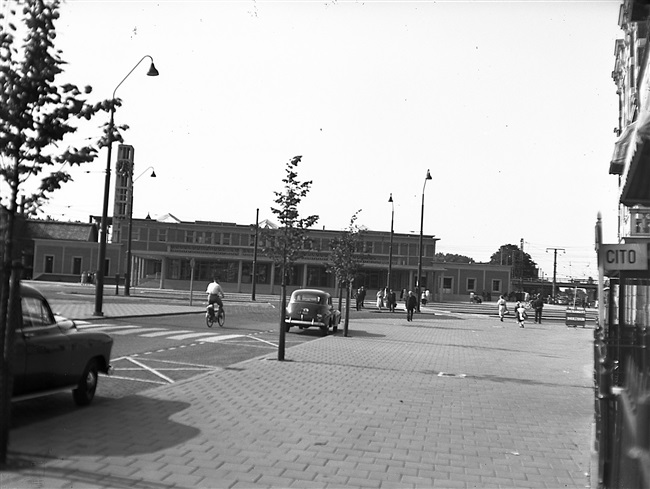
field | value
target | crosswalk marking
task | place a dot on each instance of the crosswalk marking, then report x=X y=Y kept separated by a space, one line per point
x=214 y=339
x=165 y=333
x=136 y=330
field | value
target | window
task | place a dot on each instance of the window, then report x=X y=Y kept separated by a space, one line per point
x=496 y=285
x=447 y=285
x=135 y=234
x=49 y=263
x=225 y=239
x=471 y=285
x=162 y=235
x=208 y=237
x=76 y=265
x=189 y=236
x=36 y=313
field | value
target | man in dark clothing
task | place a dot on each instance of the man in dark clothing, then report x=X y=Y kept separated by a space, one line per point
x=411 y=305
x=538 y=304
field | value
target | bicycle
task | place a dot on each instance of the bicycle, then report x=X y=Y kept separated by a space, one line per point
x=211 y=317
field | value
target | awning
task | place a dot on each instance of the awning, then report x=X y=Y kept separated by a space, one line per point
x=622 y=148
x=636 y=175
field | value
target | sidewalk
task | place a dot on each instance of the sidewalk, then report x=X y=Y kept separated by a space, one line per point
x=443 y=401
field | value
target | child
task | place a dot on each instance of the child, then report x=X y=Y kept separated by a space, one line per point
x=521 y=314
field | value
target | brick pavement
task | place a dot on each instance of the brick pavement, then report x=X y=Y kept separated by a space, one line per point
x=444 y=401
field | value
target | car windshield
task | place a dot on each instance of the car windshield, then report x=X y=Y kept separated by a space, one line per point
x=307 y=297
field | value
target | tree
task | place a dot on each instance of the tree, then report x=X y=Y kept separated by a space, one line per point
x=347 y=261
x=523 y=265
x=286 y=244
x=452 y=258
x=36 y=115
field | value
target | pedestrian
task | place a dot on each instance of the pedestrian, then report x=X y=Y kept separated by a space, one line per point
x=358 y=298
x=362 y=296
x=427 y=295
x=83 y=277
x=538 y=304
x=391 y=300
x=503 y=307
x=411 y=305
x=423 y=298
x=521 y=314
x=380 y=299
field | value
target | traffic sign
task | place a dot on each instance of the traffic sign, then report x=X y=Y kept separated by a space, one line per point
x=623 y=257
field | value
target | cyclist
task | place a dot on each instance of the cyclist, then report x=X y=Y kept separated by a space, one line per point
x=215 y=294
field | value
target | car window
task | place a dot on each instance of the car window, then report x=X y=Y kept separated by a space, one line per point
x=308 y=298
x=36 y=313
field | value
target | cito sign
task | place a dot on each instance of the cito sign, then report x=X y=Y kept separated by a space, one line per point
x=624 y=257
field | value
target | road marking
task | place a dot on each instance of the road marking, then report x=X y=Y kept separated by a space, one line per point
x=155 y=372
x=136 y=330
x=223 y=337
x=263 y=341
x=104 y=327
x=166 y=332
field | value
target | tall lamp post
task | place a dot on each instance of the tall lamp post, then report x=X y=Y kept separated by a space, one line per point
x=101 y=259
x=390 y=250
x=127 y=278
x=428 y=177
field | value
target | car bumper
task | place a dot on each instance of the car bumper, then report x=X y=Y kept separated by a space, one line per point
x=304 y=322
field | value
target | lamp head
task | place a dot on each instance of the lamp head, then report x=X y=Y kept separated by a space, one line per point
x=390 y=199
x=428 y=177
x=152 y=70
x=153 y=174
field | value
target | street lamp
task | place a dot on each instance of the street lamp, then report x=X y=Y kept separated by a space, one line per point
x=390 y=250
x=101 y=259
x=127 y=278
x=428 y=177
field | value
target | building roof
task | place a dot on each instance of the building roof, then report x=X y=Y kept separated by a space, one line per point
x=70 y=231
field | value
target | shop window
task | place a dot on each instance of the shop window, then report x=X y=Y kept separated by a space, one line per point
x=447 y=285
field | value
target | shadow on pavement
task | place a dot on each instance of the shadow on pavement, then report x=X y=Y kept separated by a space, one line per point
x=87 y=431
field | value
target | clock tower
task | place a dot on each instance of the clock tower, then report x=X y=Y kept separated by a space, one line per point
x=123 y=192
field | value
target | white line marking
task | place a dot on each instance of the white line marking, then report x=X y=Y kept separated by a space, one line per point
x=166 y=332
x=191 y=335
x=151 y=370
x=138 y=380
x=223 y=337
x=138 y=330
x=106 y=327
x=263 y=341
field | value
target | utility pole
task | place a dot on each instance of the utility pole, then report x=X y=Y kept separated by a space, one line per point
x=555 y=250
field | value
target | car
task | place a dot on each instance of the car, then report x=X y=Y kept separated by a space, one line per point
x=52 y=355
x=312 y=308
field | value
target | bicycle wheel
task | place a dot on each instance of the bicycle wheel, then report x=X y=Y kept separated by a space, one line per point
x=221 y=317
x=209 y=320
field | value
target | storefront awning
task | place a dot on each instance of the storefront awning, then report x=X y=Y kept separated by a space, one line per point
x=636 y=174
x=622 y=149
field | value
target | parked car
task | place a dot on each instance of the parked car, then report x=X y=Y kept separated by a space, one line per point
x=312 y=308
x=52 y=355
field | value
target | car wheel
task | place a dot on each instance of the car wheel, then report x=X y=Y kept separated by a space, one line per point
x=85 y=391
x=287 y=327
x=324 y=330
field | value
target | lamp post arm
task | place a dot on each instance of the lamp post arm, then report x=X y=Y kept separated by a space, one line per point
x=132 y=70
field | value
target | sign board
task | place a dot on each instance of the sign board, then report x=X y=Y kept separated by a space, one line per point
x=623 y=257
x=576 y=317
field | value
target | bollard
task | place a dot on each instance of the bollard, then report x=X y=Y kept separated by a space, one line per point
x=117 y=284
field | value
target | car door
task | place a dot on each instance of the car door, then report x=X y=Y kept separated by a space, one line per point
x=47 y=349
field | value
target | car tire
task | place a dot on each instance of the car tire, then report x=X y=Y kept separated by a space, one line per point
x=287 y=327
x=85 y=391
x=324 y=330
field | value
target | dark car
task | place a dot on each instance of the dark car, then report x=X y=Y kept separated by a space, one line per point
x=51 y=354
x=312 y=308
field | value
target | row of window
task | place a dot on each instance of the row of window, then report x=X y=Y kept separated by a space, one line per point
x=448 y=285
x=240 y=239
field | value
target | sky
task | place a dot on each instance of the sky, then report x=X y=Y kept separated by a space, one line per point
x=509 y=104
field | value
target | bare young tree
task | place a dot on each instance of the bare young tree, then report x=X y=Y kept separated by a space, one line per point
x=347 y=259
x=286 y=244
x=36 y=115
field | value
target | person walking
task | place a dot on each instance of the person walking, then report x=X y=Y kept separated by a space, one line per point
x=391 y=300
x=503 y=307
x=521 y=314
x=411 y=305
x=380 y=299
x=538 y=304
